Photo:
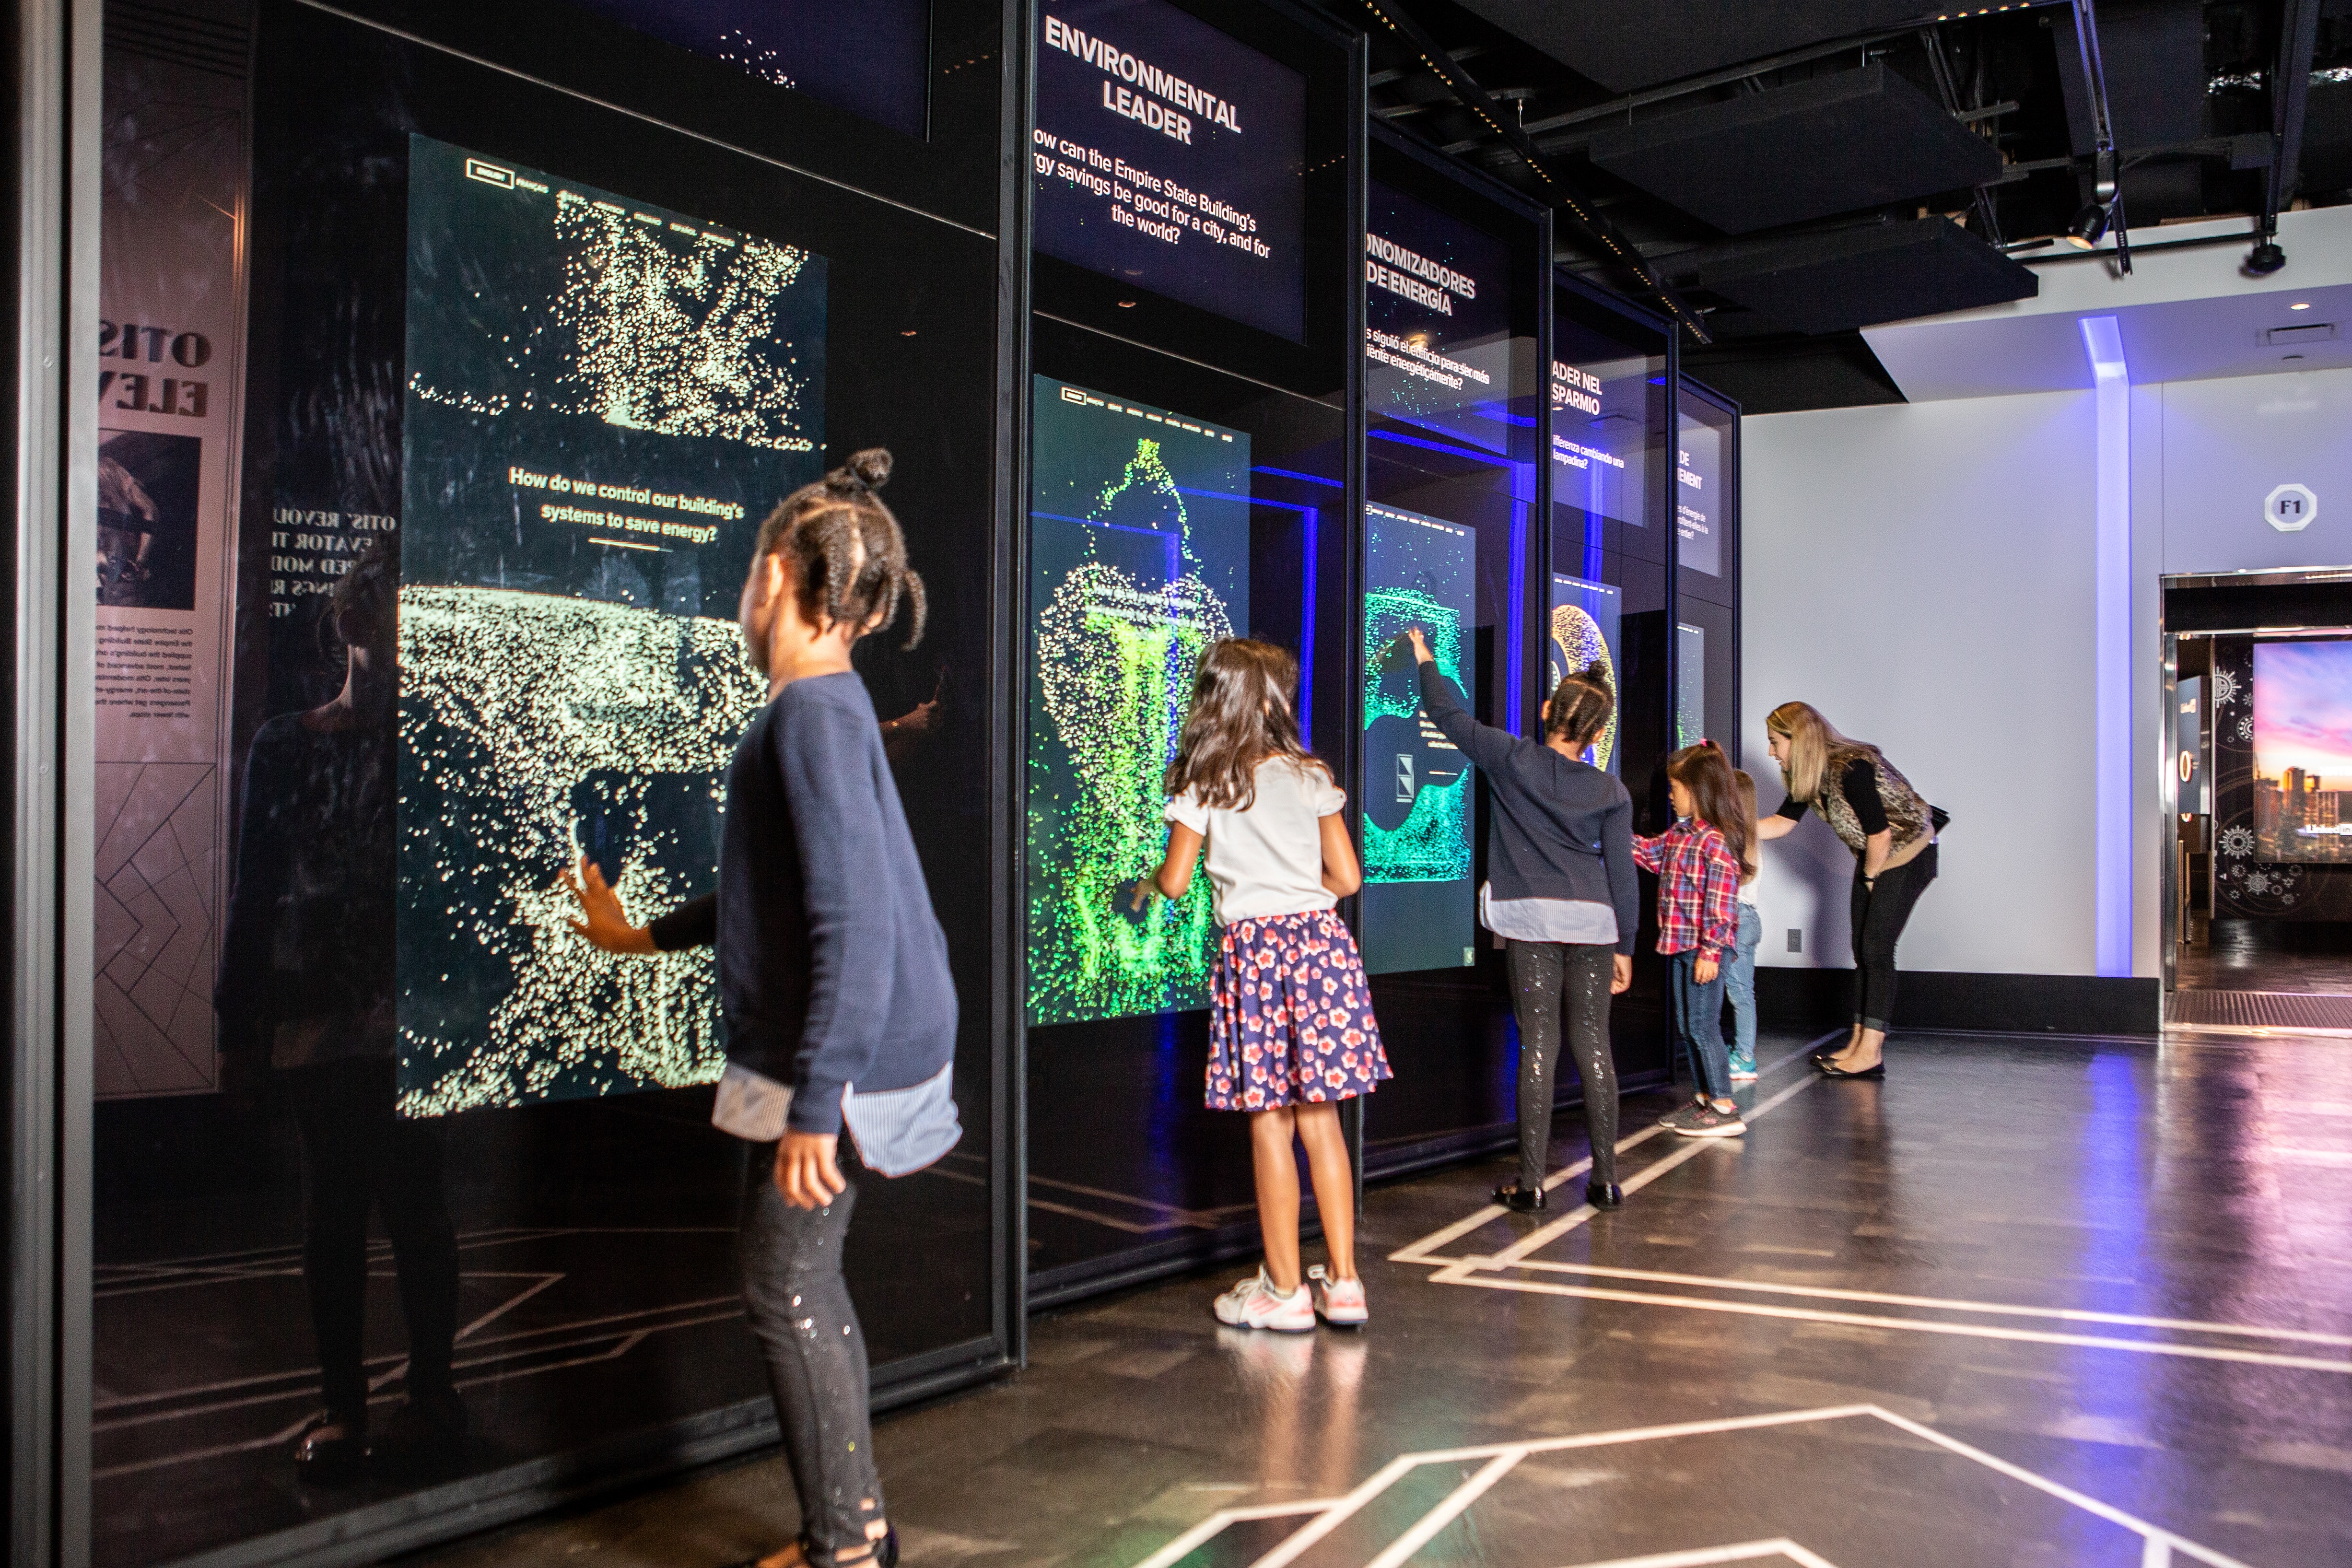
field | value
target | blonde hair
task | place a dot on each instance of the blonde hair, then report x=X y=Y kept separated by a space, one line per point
x=1811 y=739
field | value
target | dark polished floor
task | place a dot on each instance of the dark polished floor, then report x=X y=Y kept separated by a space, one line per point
x=2310 y=956
x=2026 y=1302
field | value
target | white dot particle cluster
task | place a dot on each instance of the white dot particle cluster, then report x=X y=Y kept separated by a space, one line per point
x=508 y=699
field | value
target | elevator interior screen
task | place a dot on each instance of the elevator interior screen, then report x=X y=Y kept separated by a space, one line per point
x=1418 y=908
x=604 y=399
x=2303 y=751
x=1583 y=639
x=1138 y=559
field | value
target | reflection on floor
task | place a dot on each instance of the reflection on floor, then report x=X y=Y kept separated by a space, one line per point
x=2309 y=956
x=2024 y=1302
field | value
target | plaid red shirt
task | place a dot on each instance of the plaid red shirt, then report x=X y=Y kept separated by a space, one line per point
x=1698 y=887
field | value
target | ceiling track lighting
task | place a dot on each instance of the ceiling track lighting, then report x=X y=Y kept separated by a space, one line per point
x=2104 y=215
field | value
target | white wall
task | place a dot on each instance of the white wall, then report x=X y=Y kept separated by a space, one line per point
x=1922 y=573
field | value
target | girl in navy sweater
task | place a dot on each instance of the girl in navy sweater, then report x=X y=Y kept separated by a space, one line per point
x=1560 y=892
x=833 y=980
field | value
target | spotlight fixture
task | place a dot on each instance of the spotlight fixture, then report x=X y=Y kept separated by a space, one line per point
x=1127 y=304
x=2090 y=227
x=2265 y=259
x=2300 y=305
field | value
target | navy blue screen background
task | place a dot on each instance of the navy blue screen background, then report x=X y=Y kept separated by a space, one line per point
x=1255 y=167
x=1424 y=360
x=872 y=58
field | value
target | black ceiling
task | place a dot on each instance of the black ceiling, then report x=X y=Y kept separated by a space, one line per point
x=1797 y=171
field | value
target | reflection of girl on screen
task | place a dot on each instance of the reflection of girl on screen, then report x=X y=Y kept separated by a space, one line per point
x=1291 y=1029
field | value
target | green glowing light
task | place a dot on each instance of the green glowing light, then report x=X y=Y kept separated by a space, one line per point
x=1432 y=843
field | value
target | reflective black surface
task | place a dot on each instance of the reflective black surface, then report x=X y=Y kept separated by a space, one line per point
x=595 y=1291
x=1859 y=1329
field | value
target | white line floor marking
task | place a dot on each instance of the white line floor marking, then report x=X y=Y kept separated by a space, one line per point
x=1417 y=1252
x=1936 y=1303
x=1704 y=1556
x=1463 y=1275
x=1332 y=1512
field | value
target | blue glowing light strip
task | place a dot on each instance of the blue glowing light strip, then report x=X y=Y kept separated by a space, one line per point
x=2111 y=678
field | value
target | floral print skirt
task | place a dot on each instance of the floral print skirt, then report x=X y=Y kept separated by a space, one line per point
x=1290 y=1019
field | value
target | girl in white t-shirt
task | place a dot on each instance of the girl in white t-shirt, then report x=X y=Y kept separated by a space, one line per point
x=1290 y=1019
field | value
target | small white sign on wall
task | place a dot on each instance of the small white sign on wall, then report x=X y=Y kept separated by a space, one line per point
x=2291 y=509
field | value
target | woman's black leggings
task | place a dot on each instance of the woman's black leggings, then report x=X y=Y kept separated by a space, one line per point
x=1545 y=977
x=1879 y=916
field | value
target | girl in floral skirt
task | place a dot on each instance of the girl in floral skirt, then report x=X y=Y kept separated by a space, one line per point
x=1290 y=1020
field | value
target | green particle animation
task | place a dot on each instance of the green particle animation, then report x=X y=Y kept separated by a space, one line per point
x=1116 y=659
x=1432 y=843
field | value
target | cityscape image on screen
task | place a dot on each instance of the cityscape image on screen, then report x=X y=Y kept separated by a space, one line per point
x=2303 y=751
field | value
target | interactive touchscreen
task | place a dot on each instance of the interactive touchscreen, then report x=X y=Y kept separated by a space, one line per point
x=1138 y=559
x=2303 y=751
x=1698 y=491
x=1418 y=909
x=1437 y=320
x=872 y=60
x=605 y=398
x=1600 y=436
x=1690 y=684
x=1171 y=156
x=1583 y=640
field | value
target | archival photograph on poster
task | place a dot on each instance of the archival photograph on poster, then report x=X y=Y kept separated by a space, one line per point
x=170 y=288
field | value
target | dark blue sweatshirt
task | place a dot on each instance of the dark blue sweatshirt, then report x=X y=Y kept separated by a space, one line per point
x=832 y=967
x=1558 y=828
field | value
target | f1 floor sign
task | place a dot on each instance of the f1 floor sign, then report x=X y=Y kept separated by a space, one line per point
x=2291 y=509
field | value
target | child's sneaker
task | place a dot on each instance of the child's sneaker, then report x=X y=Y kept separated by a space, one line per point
x=1255 y=1303
x=1743 y=1068
x=1700 y=1119
x=1339 y=1302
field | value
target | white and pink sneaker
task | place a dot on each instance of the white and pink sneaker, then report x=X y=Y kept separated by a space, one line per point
x=1339 y=1302
x=1255 y=1303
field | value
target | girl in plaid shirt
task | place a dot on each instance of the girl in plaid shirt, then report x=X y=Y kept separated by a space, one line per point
x=1698 y=862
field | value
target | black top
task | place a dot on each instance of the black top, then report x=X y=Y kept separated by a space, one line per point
x=1859 y=784
x=309 y=931
x=1560 y=828
x=832 y=967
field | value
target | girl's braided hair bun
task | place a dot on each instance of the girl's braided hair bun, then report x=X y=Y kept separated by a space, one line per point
x=845 y=549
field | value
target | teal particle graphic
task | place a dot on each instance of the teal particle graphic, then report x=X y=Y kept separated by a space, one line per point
x=1432 y=843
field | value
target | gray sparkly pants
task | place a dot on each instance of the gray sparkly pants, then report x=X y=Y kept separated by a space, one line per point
x=1550 y=979
x=800 y=1311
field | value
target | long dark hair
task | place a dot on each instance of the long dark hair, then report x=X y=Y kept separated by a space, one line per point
x=1239 y=716
x=1705 y=772
x=821 y=528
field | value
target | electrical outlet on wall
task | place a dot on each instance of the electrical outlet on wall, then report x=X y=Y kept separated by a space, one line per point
x=1796 y=939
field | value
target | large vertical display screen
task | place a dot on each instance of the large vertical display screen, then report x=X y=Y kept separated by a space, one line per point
x=1437 y=320
x=1600 y=436
x=1698 y=495
x=2303 y=751
x=1583 y=638
x=1419 y=909
x=872 y=59
x=1171 y=156
x=1690 y=684
x=604 y=399
x=1138 y=559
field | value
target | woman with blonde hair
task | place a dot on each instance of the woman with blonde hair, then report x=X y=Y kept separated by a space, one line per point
x=1892 y=832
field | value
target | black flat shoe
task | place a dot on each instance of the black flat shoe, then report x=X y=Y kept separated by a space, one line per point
x=1875 y=1069
x=1518 y=1201
x=1603 y=1194
x=330 y=1453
